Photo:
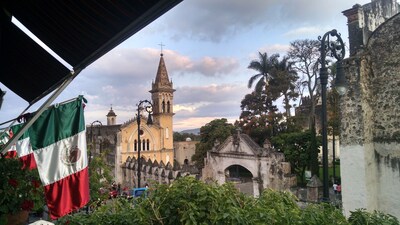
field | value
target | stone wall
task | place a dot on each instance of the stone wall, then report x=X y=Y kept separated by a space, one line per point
x=157 y=172
x=370 y=137
x=363 y=20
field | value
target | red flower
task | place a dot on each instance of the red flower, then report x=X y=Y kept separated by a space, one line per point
x=13 y=182
x=36 y=183
x=11 y=154
x=27 y=205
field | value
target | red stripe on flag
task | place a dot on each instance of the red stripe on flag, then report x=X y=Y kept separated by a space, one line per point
x=28 y=161
x=68 y=194
x=11 y=154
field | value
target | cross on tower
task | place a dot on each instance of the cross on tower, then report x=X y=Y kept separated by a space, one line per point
x=161 y=47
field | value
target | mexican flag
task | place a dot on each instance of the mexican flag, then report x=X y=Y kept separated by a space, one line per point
x=56 y=142
x=22 y=148
x=6 y=135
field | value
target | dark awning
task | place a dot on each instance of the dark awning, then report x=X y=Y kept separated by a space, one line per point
x=79 y=31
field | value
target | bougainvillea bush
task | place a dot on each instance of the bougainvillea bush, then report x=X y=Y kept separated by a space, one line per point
x=20 y=188
x=189 y=201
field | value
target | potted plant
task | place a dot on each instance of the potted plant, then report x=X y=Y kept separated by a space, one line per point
x=20 y=191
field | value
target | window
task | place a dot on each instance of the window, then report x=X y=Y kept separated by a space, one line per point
x=135 y=146
x=148 y=144
x=168 y=107
x=144 y=145
x=163 y=106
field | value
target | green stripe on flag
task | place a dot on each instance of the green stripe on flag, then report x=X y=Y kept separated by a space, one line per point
x=18 y=127
x=57 y=123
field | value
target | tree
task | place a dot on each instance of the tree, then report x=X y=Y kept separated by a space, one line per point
x=254 y=104
x=276 y=79
x=256 y=127
x=263 y=67
x=333 y=106
x=182 y=136
x=100 y=177
x=305 y=54
x=212 y=134
x=297 y=148
x=284 y=82
x=258 y=117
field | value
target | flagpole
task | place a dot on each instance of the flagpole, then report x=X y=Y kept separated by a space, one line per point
x=39 y=112
x=13 y=120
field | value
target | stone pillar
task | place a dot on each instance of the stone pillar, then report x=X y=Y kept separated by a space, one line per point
x=354 y=21
x=314 y=189
x=256 y=190
x=355 y=110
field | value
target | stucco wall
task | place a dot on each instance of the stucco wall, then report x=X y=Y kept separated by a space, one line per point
x=184 y=150
x=370 y=137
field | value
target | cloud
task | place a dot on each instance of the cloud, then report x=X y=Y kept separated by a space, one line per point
x=128 y=62
x=123 y=91
x=123 y=65
x=303 y=31
x=212 y=20
x=219 y=20
x=209 y=93
x=272 y=49
x=197 y=122
x=196 y=106
x=212 y=66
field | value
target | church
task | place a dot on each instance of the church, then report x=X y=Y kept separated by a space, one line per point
x=120 y=141
x=156 y=139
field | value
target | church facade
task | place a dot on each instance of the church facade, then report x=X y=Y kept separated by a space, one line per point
x=120 y=141
x=157 y=139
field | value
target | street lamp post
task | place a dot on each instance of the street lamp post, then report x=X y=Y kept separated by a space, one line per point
x=149 y=108
x=335 y=48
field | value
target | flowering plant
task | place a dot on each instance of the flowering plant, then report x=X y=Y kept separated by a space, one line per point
x=20 y=188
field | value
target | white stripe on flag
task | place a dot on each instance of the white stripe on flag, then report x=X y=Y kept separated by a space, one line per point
x=23 y=147
x=57 y=161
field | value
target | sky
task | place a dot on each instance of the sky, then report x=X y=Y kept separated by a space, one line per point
x=207 y=47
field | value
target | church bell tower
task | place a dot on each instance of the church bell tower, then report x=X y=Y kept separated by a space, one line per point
x=162 y=95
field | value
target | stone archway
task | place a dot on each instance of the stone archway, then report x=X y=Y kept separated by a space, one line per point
x=241 y=177
x=241 y=155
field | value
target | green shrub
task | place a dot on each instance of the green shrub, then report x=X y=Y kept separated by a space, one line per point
x=362 y=217
x=189 y=201
x=317 y=214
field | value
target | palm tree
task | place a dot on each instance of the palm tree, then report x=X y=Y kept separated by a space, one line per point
x=283 y=82
x=276 y=78
x=263 y=67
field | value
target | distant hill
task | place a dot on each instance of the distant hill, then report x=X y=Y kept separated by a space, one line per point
x=195 y=131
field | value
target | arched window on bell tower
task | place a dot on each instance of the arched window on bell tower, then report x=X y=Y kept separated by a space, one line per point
x=163 y=107
x=168 y=107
